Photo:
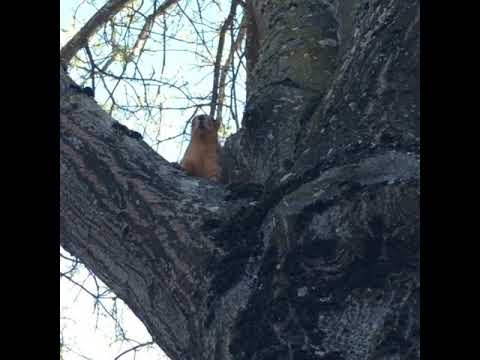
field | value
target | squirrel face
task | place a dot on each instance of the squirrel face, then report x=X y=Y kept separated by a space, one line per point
x=204 y=126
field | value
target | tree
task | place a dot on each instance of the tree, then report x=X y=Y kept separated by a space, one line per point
x=323 y=262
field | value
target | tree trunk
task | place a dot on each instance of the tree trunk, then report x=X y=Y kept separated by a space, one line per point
x=324 y=263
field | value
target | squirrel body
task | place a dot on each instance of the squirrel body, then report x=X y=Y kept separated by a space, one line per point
x=202 y=157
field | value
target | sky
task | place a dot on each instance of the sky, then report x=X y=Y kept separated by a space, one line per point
x=87 y=335
x=92 y=337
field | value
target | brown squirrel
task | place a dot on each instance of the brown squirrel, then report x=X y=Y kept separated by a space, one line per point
x=202 y=157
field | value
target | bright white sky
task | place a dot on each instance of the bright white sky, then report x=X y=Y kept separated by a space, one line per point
x=90 y=337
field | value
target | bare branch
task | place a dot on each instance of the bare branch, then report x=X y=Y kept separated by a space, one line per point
x=92 y=65
x=147 y=28
x=218 y=60
x=224 y=70
x=135 y=348
x=79 y=40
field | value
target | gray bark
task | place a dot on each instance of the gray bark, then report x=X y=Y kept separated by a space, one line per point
x=324 y=264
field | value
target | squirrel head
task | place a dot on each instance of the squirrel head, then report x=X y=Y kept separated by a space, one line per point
x=205 y=126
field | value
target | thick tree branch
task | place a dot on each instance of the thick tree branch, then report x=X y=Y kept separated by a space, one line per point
x=136 y=221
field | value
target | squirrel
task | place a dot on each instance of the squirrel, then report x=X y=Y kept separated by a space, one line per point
x=202 y=157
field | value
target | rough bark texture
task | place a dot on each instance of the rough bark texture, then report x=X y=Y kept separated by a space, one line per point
x=324 y=263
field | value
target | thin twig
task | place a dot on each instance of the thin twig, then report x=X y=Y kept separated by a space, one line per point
x=135 y=348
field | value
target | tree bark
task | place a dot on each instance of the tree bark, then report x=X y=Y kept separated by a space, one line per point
x=324 y=263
